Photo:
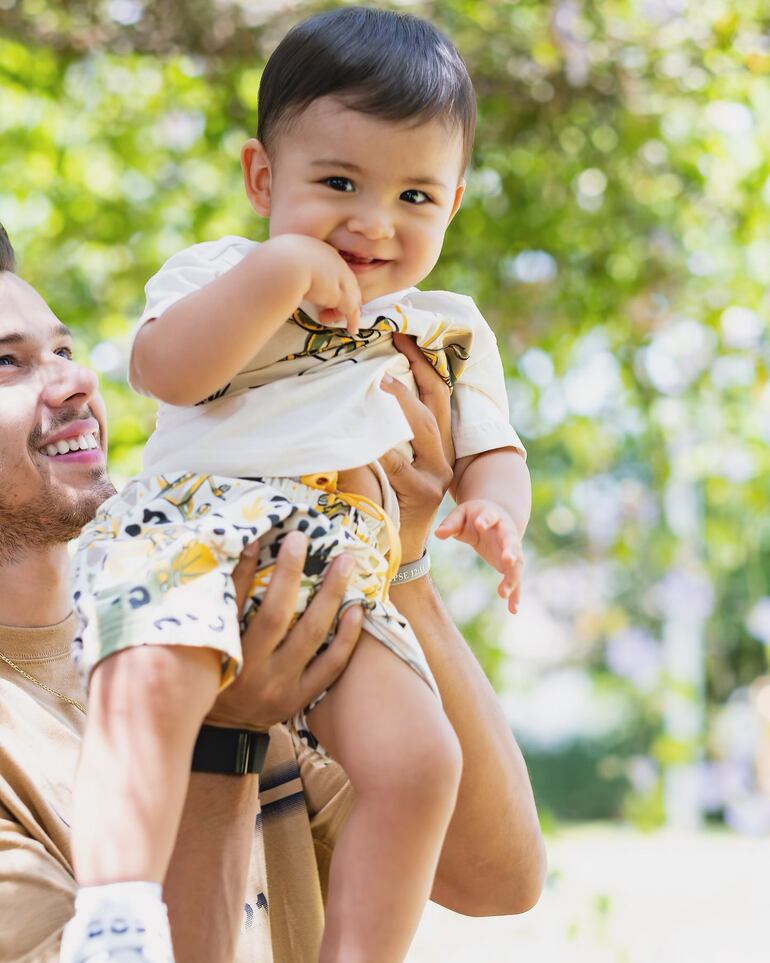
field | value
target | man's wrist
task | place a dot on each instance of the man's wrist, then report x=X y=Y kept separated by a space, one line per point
x=411 y=571
x=234 y=752
x=412 y=552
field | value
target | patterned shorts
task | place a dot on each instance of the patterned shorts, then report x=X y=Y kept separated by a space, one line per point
x=154 y=566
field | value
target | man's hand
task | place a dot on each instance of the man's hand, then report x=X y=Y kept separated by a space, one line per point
x=420 y=485
x=490 y=530
x=281 y=672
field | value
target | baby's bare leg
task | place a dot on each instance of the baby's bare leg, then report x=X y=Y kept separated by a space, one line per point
x=388 y=731
x=145 y=707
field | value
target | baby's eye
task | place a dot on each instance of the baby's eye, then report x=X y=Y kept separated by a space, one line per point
x=413 y=196
x=339 y=183
x=64 y=353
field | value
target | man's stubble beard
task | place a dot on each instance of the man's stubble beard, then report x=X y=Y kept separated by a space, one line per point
x=51 y=518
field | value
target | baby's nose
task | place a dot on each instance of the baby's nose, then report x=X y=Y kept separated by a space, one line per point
x=373 y=225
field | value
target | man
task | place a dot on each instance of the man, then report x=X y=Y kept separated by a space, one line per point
x=52 y=479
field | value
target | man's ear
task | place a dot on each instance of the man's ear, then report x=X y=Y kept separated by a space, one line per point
x=459 y=191
x=257 y=175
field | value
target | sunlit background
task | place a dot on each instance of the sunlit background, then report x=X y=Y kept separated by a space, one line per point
x=615 y=233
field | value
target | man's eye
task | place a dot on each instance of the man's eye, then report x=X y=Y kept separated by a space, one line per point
x=413 y=196
x=7 y=360
x=339 y=183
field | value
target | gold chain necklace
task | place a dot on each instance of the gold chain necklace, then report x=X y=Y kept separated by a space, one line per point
x=31 y=678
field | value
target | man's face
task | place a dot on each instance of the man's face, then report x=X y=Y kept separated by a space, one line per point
x=381 y=192
x=53 y=472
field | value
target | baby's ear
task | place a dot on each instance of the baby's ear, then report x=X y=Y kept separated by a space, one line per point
x=257 y=175
x=459 y=191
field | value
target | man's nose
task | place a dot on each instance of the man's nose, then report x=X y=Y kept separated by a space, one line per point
x=68 y=384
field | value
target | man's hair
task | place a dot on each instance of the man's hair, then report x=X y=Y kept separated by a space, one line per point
x=391 y=65
x=7 y=257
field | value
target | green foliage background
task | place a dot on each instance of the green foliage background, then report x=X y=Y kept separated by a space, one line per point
x=619 y=192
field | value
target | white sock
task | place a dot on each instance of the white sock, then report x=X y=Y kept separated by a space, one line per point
x=135 y=893
x=116 y=919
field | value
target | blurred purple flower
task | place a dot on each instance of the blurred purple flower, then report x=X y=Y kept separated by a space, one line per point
x=635 y=655
x=749 y=815
x=758 y=620
x=683 y=592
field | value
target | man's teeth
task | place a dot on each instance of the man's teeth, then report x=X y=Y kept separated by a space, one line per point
x=66 y=445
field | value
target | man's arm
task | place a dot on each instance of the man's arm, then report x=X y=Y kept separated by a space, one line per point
x=281 y=673
x=493 y=861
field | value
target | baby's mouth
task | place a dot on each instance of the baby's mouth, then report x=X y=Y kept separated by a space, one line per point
x=356 y=260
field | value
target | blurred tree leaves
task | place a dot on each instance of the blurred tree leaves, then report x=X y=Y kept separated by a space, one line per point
x=614 y=231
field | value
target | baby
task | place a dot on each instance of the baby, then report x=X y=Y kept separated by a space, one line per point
x=269 y=362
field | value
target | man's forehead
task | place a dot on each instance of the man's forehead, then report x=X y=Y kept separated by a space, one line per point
x=24 y=314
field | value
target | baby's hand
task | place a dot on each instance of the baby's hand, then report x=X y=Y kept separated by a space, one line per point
x=329 y=281
x=490 y=530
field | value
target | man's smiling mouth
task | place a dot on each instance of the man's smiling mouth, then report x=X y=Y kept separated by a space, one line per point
x=84 y=442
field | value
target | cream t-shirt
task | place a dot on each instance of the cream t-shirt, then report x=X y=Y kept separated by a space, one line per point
x=309 y=400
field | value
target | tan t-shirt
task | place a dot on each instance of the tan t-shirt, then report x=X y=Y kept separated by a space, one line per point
x=303 y=807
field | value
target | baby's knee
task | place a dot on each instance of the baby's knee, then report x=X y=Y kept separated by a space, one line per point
x=432 y=763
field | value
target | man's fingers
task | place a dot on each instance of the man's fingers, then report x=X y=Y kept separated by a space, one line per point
x=399 y=471
x=428 y=444
x=326 y=667
x=243 y=574
x=278 y=604
x=433 y=390
x=317 y=620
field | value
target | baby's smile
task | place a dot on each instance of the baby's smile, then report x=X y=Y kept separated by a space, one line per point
x=359 y=263
x=382 y=195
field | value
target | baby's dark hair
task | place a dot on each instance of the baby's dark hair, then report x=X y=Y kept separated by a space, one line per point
x=7 y=257
x=391 y=65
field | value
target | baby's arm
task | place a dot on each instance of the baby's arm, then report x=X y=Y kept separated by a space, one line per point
x=203 y=340
x=494 y=498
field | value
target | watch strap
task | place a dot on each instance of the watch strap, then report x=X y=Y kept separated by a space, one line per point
x=234 y=752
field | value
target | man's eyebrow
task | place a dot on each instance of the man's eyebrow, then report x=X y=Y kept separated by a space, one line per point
x=18 y=337
x=346 y=165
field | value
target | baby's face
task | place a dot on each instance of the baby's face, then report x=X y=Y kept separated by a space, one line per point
x=381 y=192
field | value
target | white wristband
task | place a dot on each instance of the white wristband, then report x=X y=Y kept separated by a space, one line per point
x=412 y=570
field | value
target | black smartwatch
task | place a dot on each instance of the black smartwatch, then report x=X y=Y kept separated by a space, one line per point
x=229 y=752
